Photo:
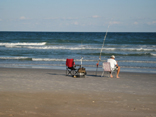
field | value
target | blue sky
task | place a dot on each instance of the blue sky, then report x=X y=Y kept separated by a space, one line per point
x=78 y=15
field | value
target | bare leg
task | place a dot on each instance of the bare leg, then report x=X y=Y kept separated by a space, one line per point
x=118 y=71
x=111 y=75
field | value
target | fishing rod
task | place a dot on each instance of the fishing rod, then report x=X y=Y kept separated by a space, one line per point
x=97 y=64
x=81 y=54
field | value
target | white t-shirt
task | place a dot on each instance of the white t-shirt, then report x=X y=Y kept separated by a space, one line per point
x=112 y=62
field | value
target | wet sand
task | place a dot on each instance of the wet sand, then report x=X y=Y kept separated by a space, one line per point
x=50 y=93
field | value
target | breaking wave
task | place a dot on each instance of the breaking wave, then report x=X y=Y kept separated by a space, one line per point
x=40 y=47
x=21 y=44
x=153 y=54
x=15 y=58
x=90 y=48
x=56 y=59
x=123 y=54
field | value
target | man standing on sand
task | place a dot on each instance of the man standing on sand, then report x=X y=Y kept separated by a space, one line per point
x=114 y=65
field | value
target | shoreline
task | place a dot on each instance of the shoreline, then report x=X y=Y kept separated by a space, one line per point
x=91 y=69
x=48 y=92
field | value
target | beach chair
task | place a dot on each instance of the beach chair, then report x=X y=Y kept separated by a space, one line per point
x=107 y=68
x=71 y=67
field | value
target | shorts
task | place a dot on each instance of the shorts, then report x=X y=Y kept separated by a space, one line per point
x=116 y=68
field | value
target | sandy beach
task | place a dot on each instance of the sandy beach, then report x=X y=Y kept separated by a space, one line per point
x=50 y=93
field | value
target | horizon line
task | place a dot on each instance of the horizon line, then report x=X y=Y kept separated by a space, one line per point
x=82 y=31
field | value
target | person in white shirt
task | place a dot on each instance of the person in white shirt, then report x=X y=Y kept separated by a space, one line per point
x=114 y=65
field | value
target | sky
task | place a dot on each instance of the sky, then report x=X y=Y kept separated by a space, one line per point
x=78 y=15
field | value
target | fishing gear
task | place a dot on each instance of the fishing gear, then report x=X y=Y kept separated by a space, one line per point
x=81 y=54
x=97 y=64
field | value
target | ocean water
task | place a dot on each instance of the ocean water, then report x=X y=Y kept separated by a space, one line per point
x=135 y=52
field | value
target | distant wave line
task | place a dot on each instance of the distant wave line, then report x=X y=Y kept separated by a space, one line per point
x=40 y=47
x=55 y=59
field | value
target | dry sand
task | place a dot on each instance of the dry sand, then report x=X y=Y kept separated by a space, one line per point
x=50 y=93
